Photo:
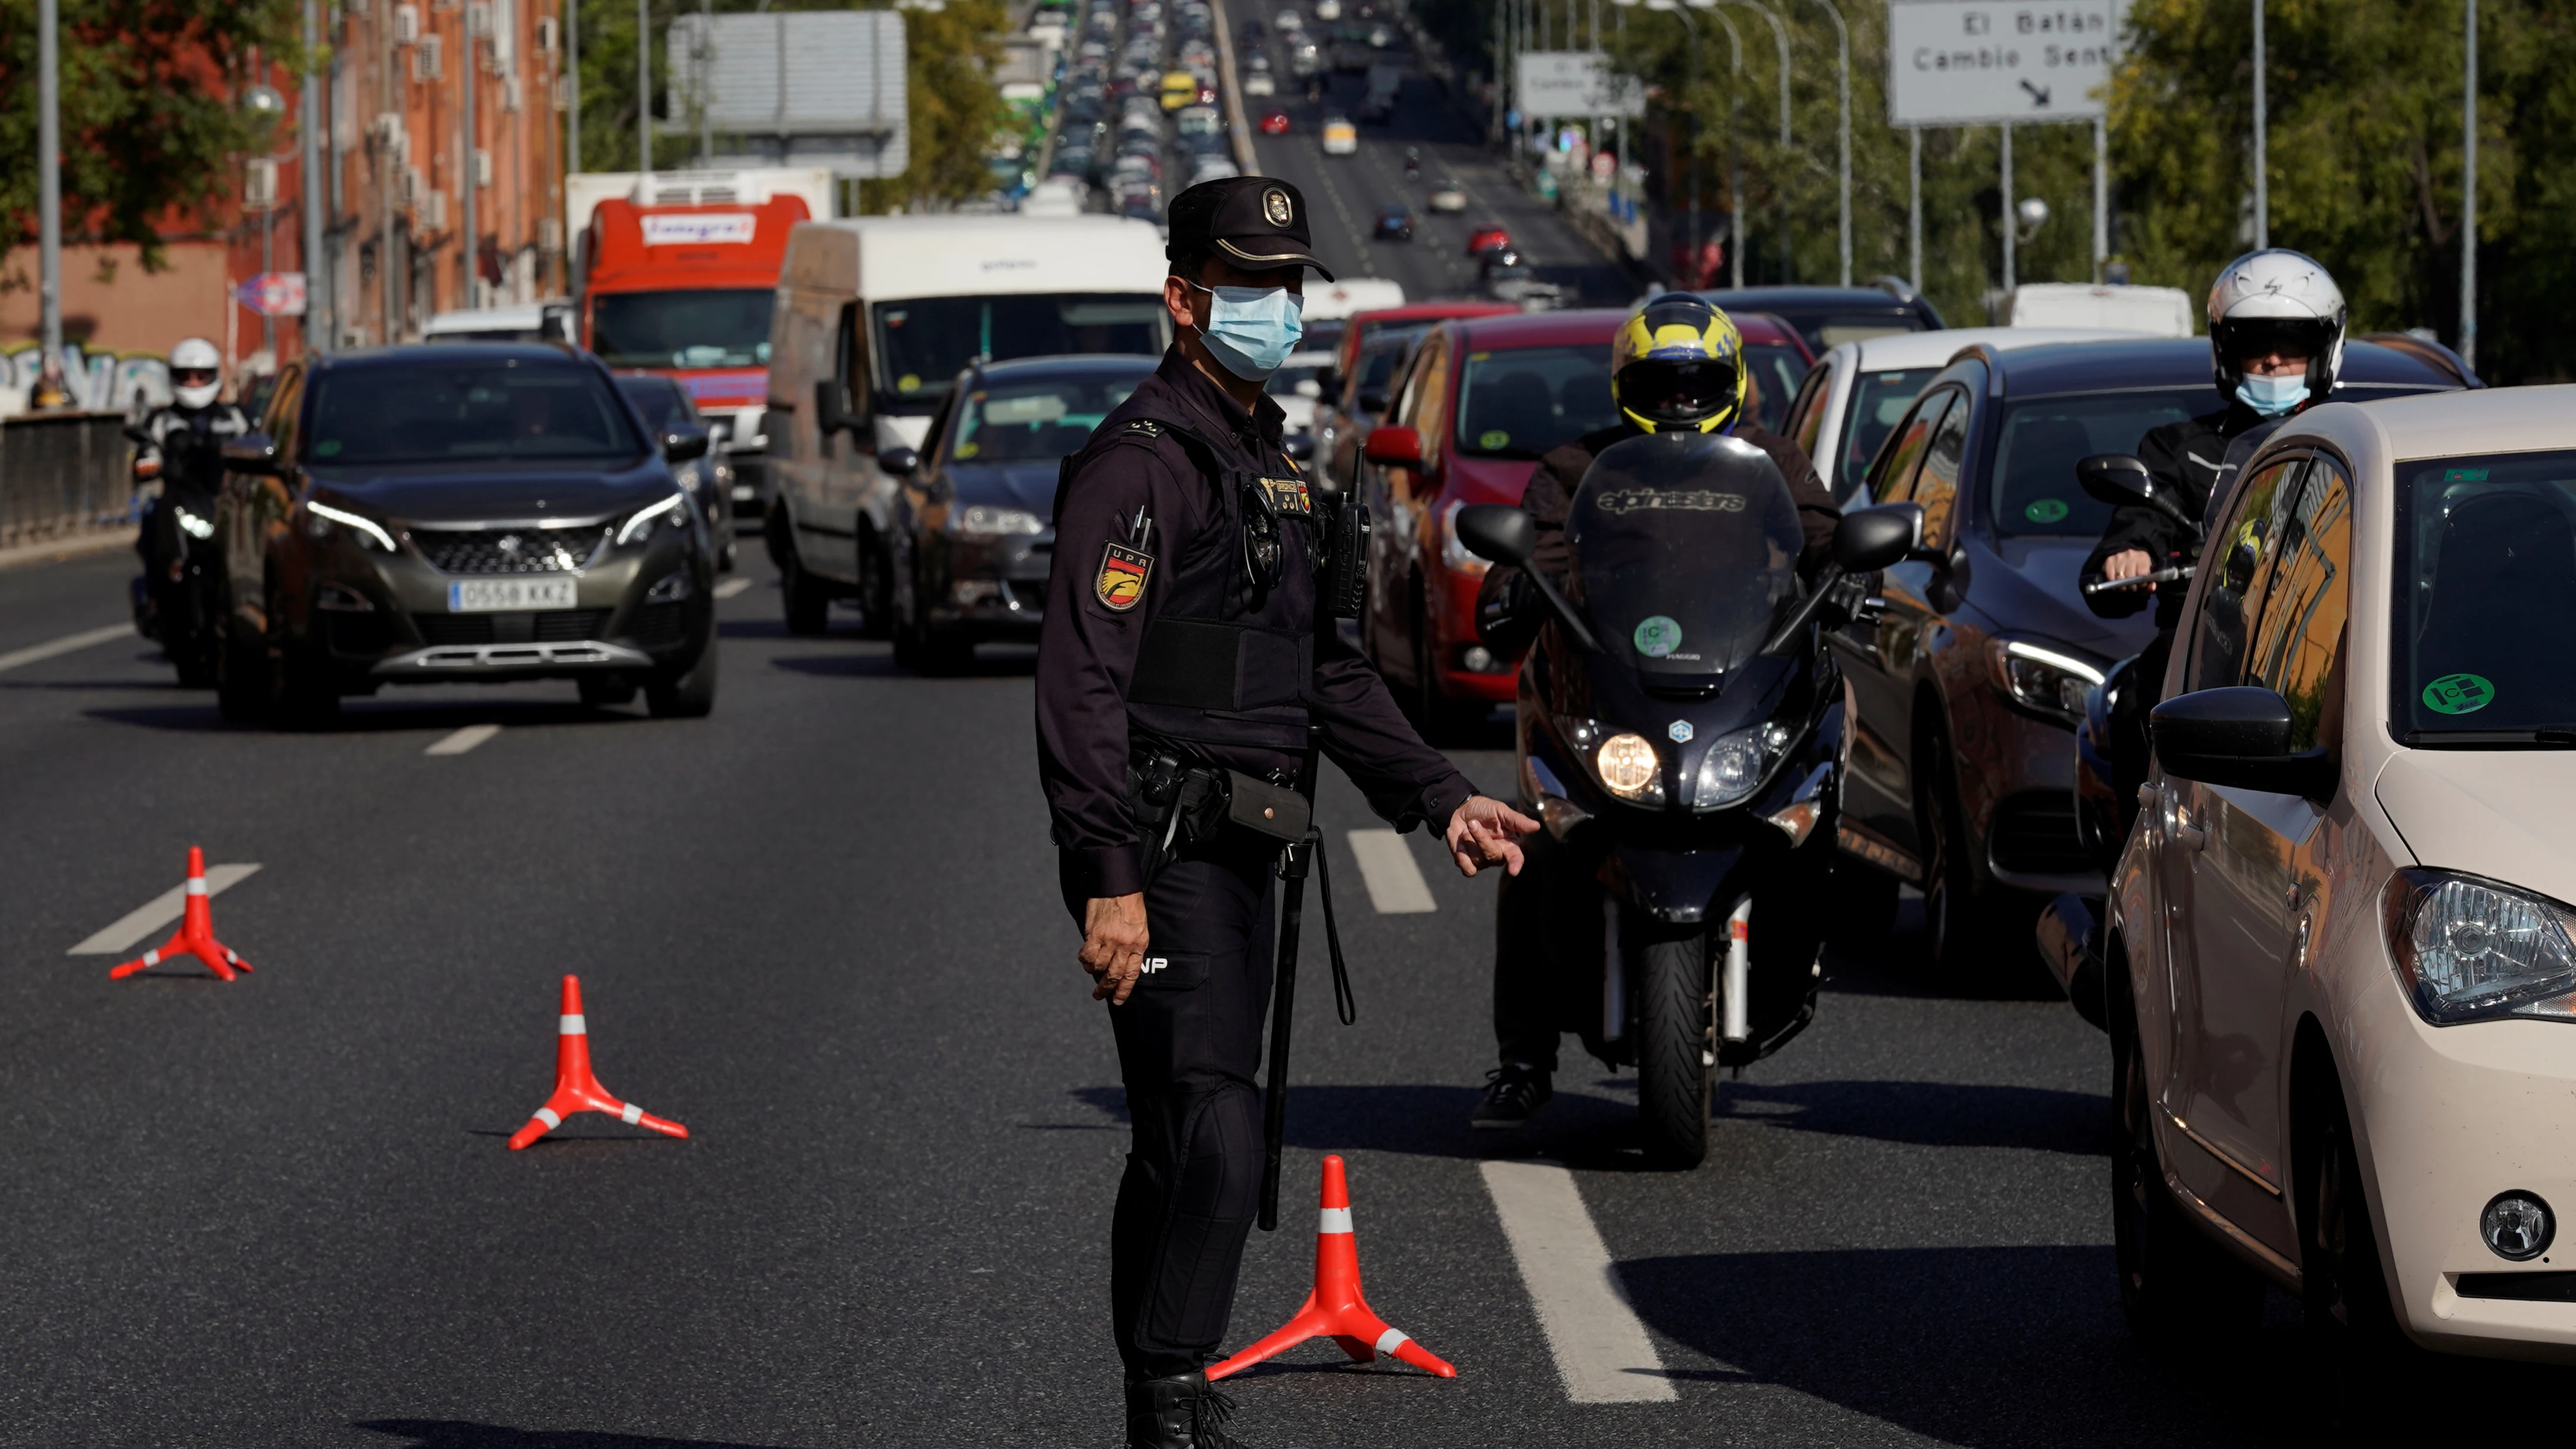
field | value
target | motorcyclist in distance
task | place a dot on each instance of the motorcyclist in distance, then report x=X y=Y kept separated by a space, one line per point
x=1676 y=365
x=178 y=469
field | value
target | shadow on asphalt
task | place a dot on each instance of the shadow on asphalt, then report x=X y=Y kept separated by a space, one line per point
x=879 y=664
x=388 y=715
x=460 y=1434
x=1930 y=1114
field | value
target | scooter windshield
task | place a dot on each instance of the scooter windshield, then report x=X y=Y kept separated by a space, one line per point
x=1683 y=546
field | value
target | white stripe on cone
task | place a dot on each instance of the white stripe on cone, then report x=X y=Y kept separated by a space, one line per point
x=196 y=885
x=572 y=1026
x=632 y=1115
x=547 y=1116
x=1333 y=1220
x=1391 y=1340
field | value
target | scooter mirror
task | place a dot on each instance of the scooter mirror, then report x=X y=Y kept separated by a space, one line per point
x=2117 y=479
x=1870 y=539
x=1497 y=532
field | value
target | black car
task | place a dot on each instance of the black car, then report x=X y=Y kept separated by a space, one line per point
x=1394 y=223
x=1967 y=693
x=1830 y=316
x=461 y=514
x=974 y=533
x=664 y=404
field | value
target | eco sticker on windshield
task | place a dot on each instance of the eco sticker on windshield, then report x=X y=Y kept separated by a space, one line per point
x=1658 y=636
x=2046 y=510
x=2464 y=475
x=909 y=382
x=2459 y=694
x=1493 y=440
x=327 y=448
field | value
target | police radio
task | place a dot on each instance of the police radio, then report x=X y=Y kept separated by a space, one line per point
x=1343 y=588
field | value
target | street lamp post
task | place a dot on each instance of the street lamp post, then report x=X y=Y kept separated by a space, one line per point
x=2262 y=165
x=1914 y=207
x=1734 y=145
x=2469 y=197
x=1780 y=37
x=317 y=278
x=1842 y=54
x=471 y=175
x=2009 y=224
x=572 y=87
x=644 y=87
x=49 y=179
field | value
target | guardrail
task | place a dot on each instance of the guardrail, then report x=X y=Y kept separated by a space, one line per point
x=61 y=474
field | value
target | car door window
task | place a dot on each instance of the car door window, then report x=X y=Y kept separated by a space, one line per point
x=1429 y=395
x=850 y=362
x=2298 y=638
x=1894 y=481
x=1936 y=487
x=283 y=407
x=1807 y=411
x=2243 y=551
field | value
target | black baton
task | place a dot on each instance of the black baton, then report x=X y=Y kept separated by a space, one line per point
x=1283 y=996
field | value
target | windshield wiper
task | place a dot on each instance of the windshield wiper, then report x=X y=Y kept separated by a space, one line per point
x=2554 y=736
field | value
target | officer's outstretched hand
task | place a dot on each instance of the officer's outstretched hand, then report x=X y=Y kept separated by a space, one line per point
x=1487 y=832
x=1113 y=944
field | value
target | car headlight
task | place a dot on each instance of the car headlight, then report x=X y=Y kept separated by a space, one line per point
x=366 y=528
x=984 y=519
x=1737 y=763
x=2470 y=950
x=2038 y=677
x=640 y=521
x=1453 y=554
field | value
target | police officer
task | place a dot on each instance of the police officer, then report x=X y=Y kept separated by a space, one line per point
x=1183 y=637
x=179 y=468
x=1676 y=365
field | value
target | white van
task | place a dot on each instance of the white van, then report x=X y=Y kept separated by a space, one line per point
x=2155 y=311
x=875 y=316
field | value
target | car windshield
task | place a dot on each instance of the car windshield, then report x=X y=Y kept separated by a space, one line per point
x=922 y=342
x=1879 y=400
x=510 y=410
x=2486 y=554
x=658 y=398
x=1683 y=546
x=1777 y=371
x=1040 y=418
x=2035 y=494
x=1523 y=402
x=712 y=327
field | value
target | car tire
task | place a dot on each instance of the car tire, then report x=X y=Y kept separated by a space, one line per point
x=1443 y=720
x=607 y=691
x=807 y=603
x=876 y=585
x=306 y=698
x=1675 y=1040
x=690 y=694
x=2362 y=1357
x=2177 y=1288
x=243 y=679
x=1863 y=901
x=1954 y=934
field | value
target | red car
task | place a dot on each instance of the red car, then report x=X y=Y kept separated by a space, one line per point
x=1480 y=401
x=1274 y=123
x=1487 y=238
x=1373 y=345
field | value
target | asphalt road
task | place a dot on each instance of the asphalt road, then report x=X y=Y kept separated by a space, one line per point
x=1344 y=192
x=821 y=929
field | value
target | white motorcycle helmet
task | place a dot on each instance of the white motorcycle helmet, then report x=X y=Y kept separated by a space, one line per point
x=2271 y=300
x=196 y=373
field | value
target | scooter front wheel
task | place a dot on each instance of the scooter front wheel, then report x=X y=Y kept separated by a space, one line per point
x=1674 y=1044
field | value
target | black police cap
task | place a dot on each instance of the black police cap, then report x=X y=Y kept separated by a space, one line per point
x=1255 y=222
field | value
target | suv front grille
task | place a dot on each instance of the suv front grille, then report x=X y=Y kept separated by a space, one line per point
x=509 y=550
x=551 y=626
x=2034 y=834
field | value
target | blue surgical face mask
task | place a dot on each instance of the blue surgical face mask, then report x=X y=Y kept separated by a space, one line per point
x=1251 y=330
x=2273 y=396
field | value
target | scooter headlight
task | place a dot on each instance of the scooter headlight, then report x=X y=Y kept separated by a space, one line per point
x=1736 y=764
x=1629 y=769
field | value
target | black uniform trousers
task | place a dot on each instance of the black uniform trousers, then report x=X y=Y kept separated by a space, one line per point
x=1189 y=1049
x=1547 y=924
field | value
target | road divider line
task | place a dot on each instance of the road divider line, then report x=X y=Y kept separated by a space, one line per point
x=160 y=911
x=1601 y=1348
x=463 y=740
x=731 y=587
x=68 y=644
x=1395 y=883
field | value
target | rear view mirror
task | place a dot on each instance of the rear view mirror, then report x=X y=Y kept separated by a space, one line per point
x=1496 y=532
x=684 y=441
x=254 y=453
x=2117 y=479
x=2238 y=737
x=1401 y=447
x=898 y=461
x=1870 y=539
x=1372 y=401
x=830 y=416
x=1300 y=446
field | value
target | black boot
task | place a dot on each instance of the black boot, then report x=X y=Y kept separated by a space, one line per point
x=1518 y=1091
x=1180 y=1412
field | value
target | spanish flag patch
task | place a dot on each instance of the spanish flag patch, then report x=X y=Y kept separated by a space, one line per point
x=1121 y=583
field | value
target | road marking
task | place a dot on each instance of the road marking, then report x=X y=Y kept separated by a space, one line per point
x=160 y=911
x=463 y=740
x=1601 y=1350
x=731 y=587
x=1395 y=883
x=68 y=644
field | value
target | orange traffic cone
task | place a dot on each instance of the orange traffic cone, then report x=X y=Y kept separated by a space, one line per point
x=1335 y=1309
x=576 y=1090
x=196 y=933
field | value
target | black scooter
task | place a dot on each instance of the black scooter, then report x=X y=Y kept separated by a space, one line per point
x=1680 y=736
x=176 y=602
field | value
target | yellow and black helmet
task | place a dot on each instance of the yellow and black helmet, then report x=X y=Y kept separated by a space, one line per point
x=1677 y=366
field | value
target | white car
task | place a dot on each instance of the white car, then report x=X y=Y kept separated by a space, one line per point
x=1448 y=196
x=2340 y=957
x=1328 y=11
x=1259 y=83
x=1857 y=391
x=1340 y=137
x=1296 y=387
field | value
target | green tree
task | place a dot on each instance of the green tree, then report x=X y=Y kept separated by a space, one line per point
x=151 y=126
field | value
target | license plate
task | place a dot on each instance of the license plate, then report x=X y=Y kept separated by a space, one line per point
x=489 y=596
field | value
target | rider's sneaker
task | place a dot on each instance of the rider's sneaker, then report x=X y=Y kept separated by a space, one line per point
x=1180 y=1412
x=1516 y=1094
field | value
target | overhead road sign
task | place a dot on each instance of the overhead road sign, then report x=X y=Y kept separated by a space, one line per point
x=273 y=294
x=1553 y=83
x=813 y=88
x=1983 y=63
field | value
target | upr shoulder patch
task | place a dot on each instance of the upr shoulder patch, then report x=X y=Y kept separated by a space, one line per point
x=1288 y=497
x=1145 y=427
x=1120 y=584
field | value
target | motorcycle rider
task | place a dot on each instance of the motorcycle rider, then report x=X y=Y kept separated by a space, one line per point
x=1676 y=365
x=178 y=469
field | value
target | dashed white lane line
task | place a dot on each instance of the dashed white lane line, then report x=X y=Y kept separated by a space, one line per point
x=1395 y=883
x=463 y=740
x=1601 y=1349
x=731 y=587
x=68 y=644
x=160 y=911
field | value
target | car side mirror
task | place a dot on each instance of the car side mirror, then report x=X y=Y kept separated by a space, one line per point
x=1400 y=447
x=2239 y=737
x=1372 y=401
x=830 y=416
x=2117 y=479
x=684 y=441
x=898 y=461
x=1496 y=532
x=1300 y=446
x=1870 y=539
x=254 y=453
